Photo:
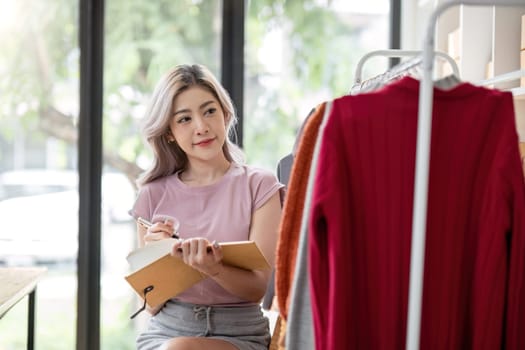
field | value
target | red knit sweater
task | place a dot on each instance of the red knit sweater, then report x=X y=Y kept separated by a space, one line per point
x=360 y=223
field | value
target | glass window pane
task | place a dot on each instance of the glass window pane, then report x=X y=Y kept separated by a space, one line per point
x=143 y=39
x=38 y=163
x=299 y=54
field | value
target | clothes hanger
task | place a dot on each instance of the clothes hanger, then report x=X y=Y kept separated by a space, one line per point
x=410 y=67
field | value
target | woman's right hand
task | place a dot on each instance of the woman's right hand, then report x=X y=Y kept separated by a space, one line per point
x=158 y=231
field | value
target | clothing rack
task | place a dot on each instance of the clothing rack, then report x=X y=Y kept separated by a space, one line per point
x=503 y=77
x=400 y=67
x=514 y=75
x=422 y=168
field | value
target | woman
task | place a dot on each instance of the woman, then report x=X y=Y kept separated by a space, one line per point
x=197 y=177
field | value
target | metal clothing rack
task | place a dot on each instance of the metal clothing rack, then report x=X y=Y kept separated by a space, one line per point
x=506 y=77
x=422 y=167
x=401 y=53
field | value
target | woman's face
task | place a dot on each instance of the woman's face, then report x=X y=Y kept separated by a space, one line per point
x=198 y=124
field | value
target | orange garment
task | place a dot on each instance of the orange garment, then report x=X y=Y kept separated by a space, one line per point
x=282 y=334
x=290 y=226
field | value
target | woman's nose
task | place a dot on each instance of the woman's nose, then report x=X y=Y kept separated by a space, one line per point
x=201 y=126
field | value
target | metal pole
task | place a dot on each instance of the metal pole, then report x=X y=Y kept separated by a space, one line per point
x=91 y=42
x=232 y=64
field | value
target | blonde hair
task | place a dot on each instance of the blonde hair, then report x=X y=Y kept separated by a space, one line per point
x=169 y=158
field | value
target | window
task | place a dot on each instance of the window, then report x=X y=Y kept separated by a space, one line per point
x=299 y=54
x=38 y=178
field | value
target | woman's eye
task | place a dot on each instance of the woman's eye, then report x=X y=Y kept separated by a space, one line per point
x=211 y=111
x=183 y=119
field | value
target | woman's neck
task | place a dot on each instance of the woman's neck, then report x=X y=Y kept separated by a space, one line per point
x=202 y=174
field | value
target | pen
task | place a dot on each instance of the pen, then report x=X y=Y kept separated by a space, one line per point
x=148 y=224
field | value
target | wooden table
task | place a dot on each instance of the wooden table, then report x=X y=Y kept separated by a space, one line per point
x=15 y=284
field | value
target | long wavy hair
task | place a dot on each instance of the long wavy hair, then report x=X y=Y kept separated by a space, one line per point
x=169 y=158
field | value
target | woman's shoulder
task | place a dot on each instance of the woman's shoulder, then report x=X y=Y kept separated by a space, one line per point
x=254 y=174
x=261 y=183
x=158 y=185
x=259 y=178
x=251 y=171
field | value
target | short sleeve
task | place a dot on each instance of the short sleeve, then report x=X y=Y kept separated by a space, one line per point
x=263 y=185
x=143 y=204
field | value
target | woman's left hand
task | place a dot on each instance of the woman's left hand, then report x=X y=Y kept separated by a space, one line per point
x=200 y=254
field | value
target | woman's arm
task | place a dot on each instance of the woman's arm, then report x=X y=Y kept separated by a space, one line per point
x=251 y=285
x=248 y=285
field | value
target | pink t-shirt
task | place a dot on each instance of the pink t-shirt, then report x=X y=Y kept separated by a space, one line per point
x=221 y=211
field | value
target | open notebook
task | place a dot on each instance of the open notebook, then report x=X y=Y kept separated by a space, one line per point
x=164 y=276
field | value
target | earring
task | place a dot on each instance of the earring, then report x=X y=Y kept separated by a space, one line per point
x=171 y=141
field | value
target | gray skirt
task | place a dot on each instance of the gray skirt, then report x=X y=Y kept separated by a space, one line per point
x=244 y=326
